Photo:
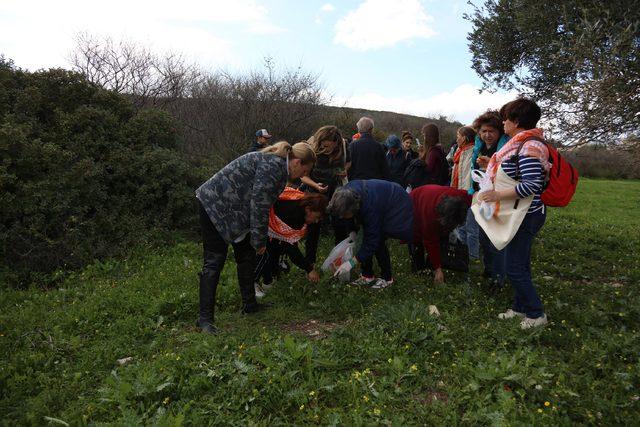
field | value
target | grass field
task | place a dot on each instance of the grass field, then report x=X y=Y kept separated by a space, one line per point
x=336 y=354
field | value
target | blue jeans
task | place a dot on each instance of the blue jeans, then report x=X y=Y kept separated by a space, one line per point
x=494 y=261
x=518 y=256
x=469 y=235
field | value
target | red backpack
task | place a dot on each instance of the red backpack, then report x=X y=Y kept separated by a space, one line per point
x=563 y=179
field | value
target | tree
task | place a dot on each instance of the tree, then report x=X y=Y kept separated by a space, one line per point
x=127 y=68
x=577 y=58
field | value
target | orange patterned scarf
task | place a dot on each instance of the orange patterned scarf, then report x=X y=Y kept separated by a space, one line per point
x=278 y=229
x=456 y=163
x=532 y=148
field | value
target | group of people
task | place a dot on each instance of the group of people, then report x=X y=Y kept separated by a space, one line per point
x=268 y=200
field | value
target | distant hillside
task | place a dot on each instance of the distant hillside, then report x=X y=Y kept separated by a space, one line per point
x=388 y=122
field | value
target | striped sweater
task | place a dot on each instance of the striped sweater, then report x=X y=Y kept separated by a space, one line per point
x=531 y=179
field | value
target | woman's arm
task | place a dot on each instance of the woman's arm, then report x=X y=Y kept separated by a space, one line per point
x=315 y=185
x=531 y=182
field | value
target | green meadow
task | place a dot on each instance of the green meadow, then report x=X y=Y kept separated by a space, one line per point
x=333 y=353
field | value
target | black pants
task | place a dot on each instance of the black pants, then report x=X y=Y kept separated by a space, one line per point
x=417 y=254
x=384 y=261
x=268 y=264
x=341 y=228
x=215 y=255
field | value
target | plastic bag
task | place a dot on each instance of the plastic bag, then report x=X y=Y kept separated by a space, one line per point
x=342 y=252
x=483 y=180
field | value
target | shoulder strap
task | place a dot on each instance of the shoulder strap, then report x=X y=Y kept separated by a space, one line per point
x=516 y=157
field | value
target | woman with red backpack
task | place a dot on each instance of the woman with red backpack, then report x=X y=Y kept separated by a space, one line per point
x=523 y=162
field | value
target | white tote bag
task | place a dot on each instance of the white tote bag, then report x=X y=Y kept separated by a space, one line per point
x=504 y=223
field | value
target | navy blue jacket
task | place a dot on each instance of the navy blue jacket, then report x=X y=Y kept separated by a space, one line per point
x=396 y=163
x=367 y=159
x=385 y=211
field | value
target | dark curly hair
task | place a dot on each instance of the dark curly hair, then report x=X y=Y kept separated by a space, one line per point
x=452 y=212
x=491 y=118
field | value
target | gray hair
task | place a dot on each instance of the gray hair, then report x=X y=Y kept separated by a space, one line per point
x=365 y=124
x=344 y=201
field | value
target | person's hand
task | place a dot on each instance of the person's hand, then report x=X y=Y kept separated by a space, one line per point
x=345 y=267
x=313 y=276
x=261 y=250
x=353 y=235
x=489 y=196
x=483 y=161
x=323 y=188
x=438 y=276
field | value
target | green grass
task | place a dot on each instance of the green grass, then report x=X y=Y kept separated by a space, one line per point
x=336 y=354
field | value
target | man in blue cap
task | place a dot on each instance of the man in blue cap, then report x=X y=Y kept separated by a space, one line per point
x=262 y=141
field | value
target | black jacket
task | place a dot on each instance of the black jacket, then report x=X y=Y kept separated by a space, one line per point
x=367 y=159
x=416 y=174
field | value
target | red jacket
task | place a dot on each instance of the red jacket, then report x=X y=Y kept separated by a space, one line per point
x=426 y=228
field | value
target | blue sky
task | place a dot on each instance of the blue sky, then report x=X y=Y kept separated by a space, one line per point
x=408 y=56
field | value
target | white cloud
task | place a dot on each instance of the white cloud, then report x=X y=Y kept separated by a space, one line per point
x=464 y=103
x=327 y=7
x=380 y=23
x=39 y=33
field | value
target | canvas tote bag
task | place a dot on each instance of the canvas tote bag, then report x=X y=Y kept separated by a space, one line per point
x=504 y=224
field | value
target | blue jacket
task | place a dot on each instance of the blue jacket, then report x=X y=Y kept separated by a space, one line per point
x=476 y=152
x=385 y=211
x=396 y=165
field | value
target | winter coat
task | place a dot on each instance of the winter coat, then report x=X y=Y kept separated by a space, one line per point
x=416 y=174
x=367 y=159
x=437 y=166
x=397 y=164
x=385 y=212
x=239 y=196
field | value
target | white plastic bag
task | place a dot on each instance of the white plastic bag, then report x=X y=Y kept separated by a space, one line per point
x=342 y=252
x=483 y=180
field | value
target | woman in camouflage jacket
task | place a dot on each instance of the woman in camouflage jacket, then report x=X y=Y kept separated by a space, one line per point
x=234 y=209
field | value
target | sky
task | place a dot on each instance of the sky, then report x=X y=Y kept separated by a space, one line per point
x=407 y=56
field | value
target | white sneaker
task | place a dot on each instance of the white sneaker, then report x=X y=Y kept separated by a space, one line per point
x=510 y=314
x=260 y=292
x=364 y=281
x=381 y=284
x=528 y=323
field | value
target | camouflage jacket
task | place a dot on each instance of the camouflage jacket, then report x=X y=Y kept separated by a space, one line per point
x=239 y=196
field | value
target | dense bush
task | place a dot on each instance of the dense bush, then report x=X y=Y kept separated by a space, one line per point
x=597 y=161
x=82 y=173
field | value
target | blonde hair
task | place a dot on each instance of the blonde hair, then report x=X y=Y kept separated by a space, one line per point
x=300 y=150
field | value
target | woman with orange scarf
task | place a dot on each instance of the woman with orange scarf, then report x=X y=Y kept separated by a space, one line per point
x=525 y=159
x=461 y=180
x=288 y=224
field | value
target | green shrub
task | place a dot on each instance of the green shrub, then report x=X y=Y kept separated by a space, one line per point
x=83 y=175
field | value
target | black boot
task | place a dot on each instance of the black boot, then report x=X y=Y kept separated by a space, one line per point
x=246 y=260
x=209 y=277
